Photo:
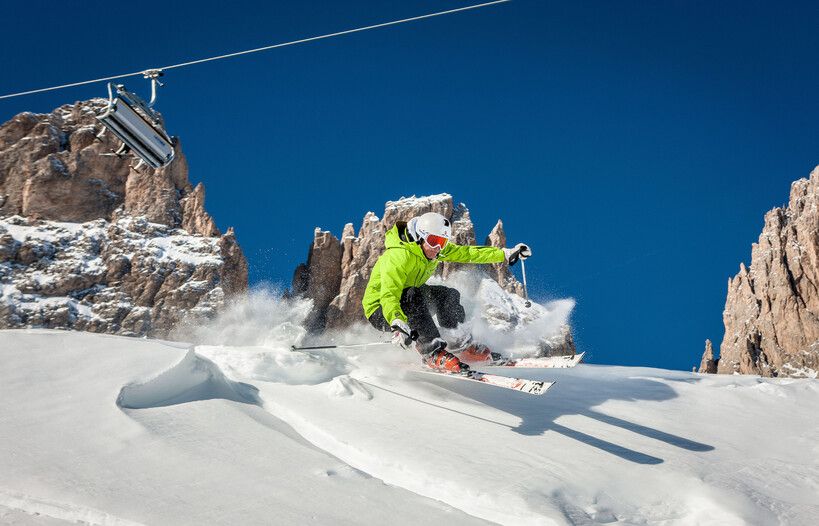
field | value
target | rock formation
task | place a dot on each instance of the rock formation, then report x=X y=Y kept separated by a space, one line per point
x=708 y=363
x=771 y=313
x=500 y=272
x=320 y=277
x=337 y=271
x=88 y=241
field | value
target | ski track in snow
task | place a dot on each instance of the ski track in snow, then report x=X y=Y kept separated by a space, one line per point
x=34 y=506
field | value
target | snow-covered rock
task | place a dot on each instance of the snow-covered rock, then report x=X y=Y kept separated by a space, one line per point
x=129 y=277
x=91 y=241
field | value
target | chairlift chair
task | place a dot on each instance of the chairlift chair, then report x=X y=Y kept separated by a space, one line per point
x=137 y=125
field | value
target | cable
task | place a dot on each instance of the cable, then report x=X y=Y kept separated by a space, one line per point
x=274 y=46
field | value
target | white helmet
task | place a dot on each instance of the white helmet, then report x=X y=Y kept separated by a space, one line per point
x=430 y=223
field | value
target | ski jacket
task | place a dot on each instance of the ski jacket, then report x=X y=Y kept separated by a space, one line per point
x=403 y=265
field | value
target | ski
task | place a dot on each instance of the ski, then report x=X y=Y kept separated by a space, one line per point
x=533 y=387
x=545 y=362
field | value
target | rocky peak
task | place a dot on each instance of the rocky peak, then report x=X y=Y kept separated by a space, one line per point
x=709 y=363
x=88 y=240
x=320 y=277
x=343 y=266
x=54 y=167
x=771 y=312
x=500 y=272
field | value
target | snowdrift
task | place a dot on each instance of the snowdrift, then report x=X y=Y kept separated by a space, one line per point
x=192 y=379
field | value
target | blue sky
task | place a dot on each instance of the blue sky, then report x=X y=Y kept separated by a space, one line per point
x=635 y=145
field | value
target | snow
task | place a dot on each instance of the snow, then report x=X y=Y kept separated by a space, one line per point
x=51 y=231
x=113 y=430
x=185 y=445
x=414 y=202
x=236 y=427
x=65 y=251
x=188 y=249
x=799 y=372
x=34 y=302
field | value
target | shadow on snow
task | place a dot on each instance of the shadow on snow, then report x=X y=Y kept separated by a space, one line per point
x=577 y=392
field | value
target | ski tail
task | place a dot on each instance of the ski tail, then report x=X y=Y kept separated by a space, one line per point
x=532 y=387
x=546 y=362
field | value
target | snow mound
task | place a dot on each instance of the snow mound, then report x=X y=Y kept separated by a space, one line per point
x=346 y=387
x=192 y=379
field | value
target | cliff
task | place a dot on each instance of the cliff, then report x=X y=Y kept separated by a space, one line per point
x=89 y=242
x=771 y=312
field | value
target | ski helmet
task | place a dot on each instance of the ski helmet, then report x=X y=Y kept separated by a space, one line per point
x=430 y=224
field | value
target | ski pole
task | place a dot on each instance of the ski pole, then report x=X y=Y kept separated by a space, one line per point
x=525 y=292
x=296 y=348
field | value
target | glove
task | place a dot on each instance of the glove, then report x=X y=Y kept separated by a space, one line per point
x=402 y=334
x=520 y=251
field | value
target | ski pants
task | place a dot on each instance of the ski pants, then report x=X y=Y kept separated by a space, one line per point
x=419 y=304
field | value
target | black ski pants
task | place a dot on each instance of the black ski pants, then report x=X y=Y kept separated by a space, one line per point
x=419 y=304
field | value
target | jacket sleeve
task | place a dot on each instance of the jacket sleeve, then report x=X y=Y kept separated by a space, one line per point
x=393 y=276
x=471 y=254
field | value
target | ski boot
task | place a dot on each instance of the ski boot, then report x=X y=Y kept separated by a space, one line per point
x=436 y=356
x=445 y=361
x=479 y=353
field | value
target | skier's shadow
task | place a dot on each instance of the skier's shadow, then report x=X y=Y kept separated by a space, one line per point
x=577 y=391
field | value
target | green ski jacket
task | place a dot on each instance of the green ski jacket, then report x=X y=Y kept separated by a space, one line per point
x=404 y=265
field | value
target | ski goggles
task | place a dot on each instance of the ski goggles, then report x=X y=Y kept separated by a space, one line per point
x=436 y=241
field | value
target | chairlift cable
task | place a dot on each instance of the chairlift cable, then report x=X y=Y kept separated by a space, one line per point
x=274 y=46
x=339 y=33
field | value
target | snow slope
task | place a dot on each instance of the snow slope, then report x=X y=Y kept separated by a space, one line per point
x=102 y=429
x=112 y=430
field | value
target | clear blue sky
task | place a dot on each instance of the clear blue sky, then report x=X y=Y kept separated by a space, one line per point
x=635 y=145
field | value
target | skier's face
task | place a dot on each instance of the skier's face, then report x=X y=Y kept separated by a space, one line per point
x=429 y=251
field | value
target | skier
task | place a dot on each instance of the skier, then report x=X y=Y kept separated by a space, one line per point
x=397 y=291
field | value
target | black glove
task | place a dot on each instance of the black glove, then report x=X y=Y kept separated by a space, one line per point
x=520 y=251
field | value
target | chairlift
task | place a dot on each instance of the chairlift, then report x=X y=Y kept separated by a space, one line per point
x=137 y=124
